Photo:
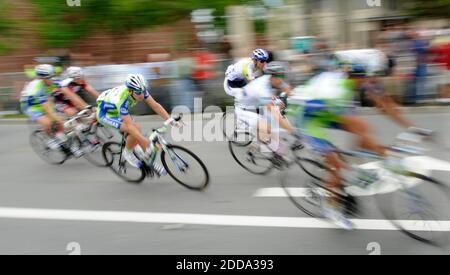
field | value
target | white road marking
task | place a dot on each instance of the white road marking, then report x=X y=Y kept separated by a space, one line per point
x=207 y=219
x=421 y=164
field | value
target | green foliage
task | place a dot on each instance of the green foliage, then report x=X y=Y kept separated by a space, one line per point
x=61 y=24
x=6 y=27
x=260 y=26
x=5 y=48
x=430 y=8
x=6 y=24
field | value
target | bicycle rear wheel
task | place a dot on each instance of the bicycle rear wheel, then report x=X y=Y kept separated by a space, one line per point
x=179 y=161
x=38 y=141
x=112 y=154
x=92 y=147
x=246 y=151
x=419 y=209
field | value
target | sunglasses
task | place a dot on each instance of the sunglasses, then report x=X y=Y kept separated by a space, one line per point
x=137 y=92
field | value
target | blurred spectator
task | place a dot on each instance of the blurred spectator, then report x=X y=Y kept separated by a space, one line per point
x=203 y=74
x=441 y=56
x=419 y=46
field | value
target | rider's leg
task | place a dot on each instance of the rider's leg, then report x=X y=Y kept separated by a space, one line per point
x=359 y=127
x=135 y=136
x=270 y=135
x=46 y=124
x=282 y=121
x=333 y=178
x=331 y=207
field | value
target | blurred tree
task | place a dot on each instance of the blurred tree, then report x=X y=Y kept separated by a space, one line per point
x=6 y=26
x=434 y=8
x=61 y=24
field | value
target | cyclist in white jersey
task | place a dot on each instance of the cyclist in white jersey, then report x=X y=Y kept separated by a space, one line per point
x=260 y=109
x=244 y=71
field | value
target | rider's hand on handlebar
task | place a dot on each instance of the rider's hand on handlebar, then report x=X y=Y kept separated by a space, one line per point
x=172 y=122
x=278 y=102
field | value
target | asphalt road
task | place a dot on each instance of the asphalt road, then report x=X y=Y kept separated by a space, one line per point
x=224 y=219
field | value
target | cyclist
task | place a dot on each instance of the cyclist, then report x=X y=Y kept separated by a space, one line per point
x=35 y=99
x=113 y=111
x=67 y=97
x=330 y=100
x=37 y=102
x=244 y=71
x=260 y=109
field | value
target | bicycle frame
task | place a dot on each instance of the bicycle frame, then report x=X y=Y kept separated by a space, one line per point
x=160 y=143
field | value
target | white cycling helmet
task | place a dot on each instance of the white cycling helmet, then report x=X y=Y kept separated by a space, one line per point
x=260 y=55
x=74 y=72
x=136 y=82
x=45 y=71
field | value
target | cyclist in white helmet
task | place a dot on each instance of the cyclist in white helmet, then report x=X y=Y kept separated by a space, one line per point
x=74 y=83
x=113 y=111
x=260 y=109
x=244 y=71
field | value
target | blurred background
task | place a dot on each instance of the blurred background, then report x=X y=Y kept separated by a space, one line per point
x=184 y=46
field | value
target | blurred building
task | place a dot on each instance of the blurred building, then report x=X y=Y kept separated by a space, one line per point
x=340 y=22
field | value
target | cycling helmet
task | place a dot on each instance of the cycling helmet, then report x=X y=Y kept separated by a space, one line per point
x=74 y=72
x=275 y=68
x=260 y=55
x=136 y=82
x=45 y=71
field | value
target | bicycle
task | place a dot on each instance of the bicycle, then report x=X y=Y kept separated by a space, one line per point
x=81 y=131
x=171 y=155
x=259 y=158
x=393 y=186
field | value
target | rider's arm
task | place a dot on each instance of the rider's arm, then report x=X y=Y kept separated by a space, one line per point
x=93 y=92
x=390 y=108
x=285 y=88
x=74 y=98
x=157 y=108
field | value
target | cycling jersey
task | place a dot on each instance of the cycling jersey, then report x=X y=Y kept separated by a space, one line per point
x=35 y=94
x=62 y=102
x=72 y=85
x=115 y=103
x=242 y=72
x=329 y=97
x=255 y=95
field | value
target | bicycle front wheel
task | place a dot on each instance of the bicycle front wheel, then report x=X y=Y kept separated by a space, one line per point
x=38 y=141
x=185 y=167
x=246 y=151
x=419 y=208
x=112 y=154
